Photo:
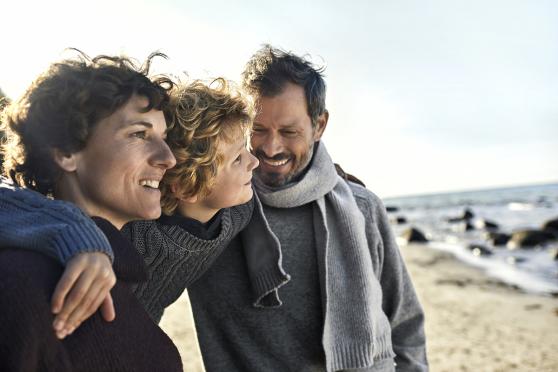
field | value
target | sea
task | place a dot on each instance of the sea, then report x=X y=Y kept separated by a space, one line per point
x=533 y=270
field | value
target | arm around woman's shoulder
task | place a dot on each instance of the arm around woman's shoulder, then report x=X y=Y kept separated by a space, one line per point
x=60 y=230
x=56 y=228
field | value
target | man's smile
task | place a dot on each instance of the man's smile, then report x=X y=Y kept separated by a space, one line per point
x=275 y=163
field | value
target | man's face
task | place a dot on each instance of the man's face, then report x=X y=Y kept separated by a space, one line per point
x=117 y=174
x=283 y=136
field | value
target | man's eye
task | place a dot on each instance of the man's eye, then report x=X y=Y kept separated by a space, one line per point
x=289 y=132
x=258 y=130
x=141 y=134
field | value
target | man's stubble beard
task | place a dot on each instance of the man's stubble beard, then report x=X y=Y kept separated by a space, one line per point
x=272 y=179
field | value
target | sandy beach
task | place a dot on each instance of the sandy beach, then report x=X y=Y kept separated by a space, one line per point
x=178 y=323
x=473 y=322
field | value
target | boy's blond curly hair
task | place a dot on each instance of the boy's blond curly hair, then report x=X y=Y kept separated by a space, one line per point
x=201 y=116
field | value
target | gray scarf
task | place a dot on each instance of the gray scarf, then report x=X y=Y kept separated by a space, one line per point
x=352 y=336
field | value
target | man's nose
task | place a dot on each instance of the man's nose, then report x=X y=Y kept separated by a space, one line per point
x=272 y=145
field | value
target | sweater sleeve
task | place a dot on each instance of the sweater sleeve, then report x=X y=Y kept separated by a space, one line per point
x=241 y=216
x=59 y=229
x=400 y=302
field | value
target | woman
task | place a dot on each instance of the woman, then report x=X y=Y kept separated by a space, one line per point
x=90 y=132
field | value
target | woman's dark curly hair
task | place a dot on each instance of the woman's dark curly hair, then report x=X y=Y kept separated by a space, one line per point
x=63 y=105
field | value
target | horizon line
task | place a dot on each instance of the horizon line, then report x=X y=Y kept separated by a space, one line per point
x=460 y=191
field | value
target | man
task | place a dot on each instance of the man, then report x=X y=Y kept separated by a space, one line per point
x=349 y=303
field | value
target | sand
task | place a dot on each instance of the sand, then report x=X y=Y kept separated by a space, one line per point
x=178 y=323
x=473 y=322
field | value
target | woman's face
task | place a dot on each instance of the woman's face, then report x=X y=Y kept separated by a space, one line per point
x=117 y=174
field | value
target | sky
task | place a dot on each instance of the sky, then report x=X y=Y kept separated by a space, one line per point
x=424 y=96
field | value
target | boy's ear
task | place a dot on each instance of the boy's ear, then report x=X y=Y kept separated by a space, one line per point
x=190 y=199
x=66 y=161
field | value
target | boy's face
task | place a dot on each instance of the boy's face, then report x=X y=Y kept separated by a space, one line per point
x=233 y=184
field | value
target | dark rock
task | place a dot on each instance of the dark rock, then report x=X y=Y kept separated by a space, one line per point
x=467 y=215
x=551 y=226
x=401 y=220
x=392 y=208
x=498 y=239
x=487 y=225
x=463 y=226
x=414 y=235
x=529 y=238
x=479 y=250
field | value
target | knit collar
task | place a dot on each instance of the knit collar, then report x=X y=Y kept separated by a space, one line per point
x=128 y=265
x=320 y=178
x=206 y=231
x=178 y=233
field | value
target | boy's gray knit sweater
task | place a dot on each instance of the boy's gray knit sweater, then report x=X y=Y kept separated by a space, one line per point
x=175 y=258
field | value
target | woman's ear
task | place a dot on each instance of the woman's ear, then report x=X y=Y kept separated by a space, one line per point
x=66 y=161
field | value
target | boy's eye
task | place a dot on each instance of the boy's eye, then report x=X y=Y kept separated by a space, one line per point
x=238 y=158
